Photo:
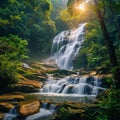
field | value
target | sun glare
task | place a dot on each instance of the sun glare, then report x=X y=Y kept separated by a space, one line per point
x=81 y=6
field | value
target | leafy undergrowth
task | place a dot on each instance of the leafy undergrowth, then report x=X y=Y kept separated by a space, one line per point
x=107 y=107
x=77 y=111
x=110 y=106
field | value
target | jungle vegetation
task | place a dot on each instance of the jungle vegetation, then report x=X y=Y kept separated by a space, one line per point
x=27 y=28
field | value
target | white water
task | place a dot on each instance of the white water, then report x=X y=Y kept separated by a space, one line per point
x=43 y=114
x=66 y=46
x=11 y=114
x=74 y=85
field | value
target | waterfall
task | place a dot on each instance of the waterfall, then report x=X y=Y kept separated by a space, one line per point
x=66 y=46
x=74 y=85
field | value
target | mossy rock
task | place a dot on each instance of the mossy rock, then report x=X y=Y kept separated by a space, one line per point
x=76 y=111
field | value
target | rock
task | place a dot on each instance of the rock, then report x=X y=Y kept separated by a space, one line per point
x=2 y=116
x=47 y=101
x=104 y=82
x=41 y=78
x=90 y=80
x=76 y=111
x=93 y=73
x=25 y=88
x=103 y=94
x=35 y=84
x=29 y=108
x=5 y=107
x=42 y=115
x=12 y=97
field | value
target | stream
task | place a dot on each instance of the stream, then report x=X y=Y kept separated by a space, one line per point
x=44 y=114
x=77 y=88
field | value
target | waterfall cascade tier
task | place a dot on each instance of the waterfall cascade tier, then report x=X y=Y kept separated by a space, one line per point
x=74 y=85
x=66 y=46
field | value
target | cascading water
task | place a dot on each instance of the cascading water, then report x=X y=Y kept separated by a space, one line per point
x=44 y=113
x=66 y=46
x=74 y=85
x=12 y=114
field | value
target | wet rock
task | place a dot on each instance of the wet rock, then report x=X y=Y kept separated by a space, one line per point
x=104 y=83
x=5 y=107
x=46 y=103
x=93 y=73
x=103 y=70
x=26 y=88
x=30 y=108
x=87 y=89
x=61 y=73
x=42 y=115
x=33 y=83
x=41 y=78
x=90 y=80
x=12 y=97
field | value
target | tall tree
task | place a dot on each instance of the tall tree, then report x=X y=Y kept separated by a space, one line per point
x=110 y=46
x=29 y=19
x=109 y=43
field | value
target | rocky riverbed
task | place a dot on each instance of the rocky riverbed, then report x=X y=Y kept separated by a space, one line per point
x=24 y=101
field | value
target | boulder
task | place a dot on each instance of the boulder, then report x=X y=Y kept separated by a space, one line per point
x=90 y=80
x=30 y=108
x=5 y=107
x=26 y=86
x=12 y=97
x=35 y=84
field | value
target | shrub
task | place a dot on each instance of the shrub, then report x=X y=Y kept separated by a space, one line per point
x=12 y=50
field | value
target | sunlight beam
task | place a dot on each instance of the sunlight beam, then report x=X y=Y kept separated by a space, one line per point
x=80 y=7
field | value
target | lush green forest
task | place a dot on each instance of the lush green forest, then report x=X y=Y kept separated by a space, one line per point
x=27 y=29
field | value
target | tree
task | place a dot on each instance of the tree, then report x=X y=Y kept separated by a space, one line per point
x=110 y=46
x=109 y=43
x=30 y=20
x=12 y=50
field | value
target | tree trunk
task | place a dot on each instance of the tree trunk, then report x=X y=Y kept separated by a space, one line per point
x=111 y=48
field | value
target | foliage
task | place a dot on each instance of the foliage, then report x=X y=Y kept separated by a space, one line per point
x=94 y=49
x=93 y=52
x=40 y=39
x=63 y=113
x=110 y=106
x=58 y=7
x=12 y=50
x=26 y=18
